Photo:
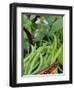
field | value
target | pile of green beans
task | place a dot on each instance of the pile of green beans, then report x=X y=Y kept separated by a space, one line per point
x=40 y=58
x=34 y=61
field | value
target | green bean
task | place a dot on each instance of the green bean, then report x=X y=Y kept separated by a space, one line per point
x=43 y=65
x=35 y=65
x=41 y=60
x=28 y=56
x=45 y=59
x=26 y=64
x=46 y=56
x=35 y=58
x=30 y=59
x=56 y=55
x=45 y=62
x=38 y=61
x=33 y=51
x=55 y=43
x=26 y=68
x=48 y=59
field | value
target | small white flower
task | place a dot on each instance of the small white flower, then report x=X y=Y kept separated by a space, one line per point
x=37 y=21
x=45 y=22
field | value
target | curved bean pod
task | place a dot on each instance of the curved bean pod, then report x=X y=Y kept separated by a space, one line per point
x=41 y=62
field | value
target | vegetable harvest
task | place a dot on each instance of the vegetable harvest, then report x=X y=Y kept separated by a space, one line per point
x=42 y=44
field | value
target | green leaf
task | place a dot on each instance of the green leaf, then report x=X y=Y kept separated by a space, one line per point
x=32 y=17
x=39 y=34
x=33 y=27
x=25 y=41
x=24 y=35
x=27 y=22
x=57 y=25
x=60 y=57
x=50 y=19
